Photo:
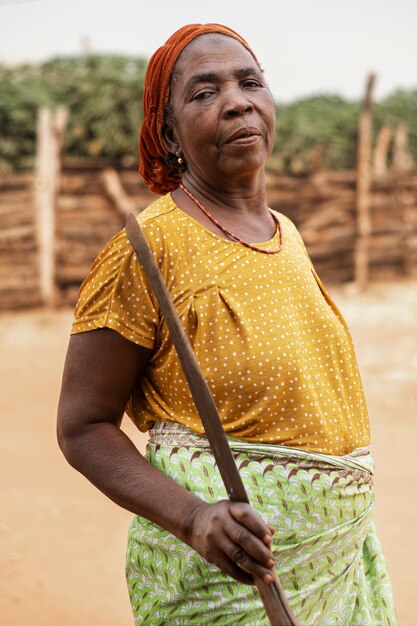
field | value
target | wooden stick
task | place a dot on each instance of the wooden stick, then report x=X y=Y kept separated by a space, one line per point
x=275 y=602
x=363 y=185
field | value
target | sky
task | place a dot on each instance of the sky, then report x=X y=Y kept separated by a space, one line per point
x=305 y=46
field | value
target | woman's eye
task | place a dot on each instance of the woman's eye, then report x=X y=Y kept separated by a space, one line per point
x=203 y=94
x=251 y=83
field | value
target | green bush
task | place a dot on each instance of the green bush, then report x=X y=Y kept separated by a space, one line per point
x=400 y=106
x=322 y=119
x=103 y=94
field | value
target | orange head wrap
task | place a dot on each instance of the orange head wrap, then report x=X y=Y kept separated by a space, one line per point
x=159 y=176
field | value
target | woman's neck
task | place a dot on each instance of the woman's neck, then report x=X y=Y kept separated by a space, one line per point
x=246 y=195
x=242 y=209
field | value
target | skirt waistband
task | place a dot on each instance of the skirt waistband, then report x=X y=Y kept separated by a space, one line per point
x=171 y=434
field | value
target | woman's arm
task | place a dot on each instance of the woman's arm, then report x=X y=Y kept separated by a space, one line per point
x=100 y=371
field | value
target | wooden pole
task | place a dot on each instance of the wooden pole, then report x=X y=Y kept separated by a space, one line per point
x=381 y=152
x=114 y=188
x=402 y=161
x=363 y=185
x=50 y=132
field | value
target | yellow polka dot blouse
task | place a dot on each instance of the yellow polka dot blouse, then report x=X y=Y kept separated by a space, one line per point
x=274 y=348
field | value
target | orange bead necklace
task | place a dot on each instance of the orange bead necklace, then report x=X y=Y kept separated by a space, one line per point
x=231 y=235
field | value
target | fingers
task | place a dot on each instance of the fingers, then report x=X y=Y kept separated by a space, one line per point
x=247 y=516
x=234 y=537
x=235 y=561
x=252 y=566
x=248 y=549
x=230 y=568
x=249 y=541
x=253 y=541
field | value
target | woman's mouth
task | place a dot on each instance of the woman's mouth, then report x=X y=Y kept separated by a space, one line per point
x=244 y=136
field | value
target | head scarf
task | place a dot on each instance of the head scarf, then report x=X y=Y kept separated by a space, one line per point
x=159 y=176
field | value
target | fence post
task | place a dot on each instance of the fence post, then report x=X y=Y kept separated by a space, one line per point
x=50 y=134
x=402 y=160
x=383 y=141
x=363 y=184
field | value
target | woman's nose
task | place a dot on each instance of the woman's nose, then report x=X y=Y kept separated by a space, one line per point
x=236 y=103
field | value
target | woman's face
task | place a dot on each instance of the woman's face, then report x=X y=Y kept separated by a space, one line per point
x=224 y=113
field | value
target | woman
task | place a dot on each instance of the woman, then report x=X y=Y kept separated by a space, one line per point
x=274 y=348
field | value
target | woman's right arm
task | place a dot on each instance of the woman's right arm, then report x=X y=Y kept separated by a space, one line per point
x=101 y=369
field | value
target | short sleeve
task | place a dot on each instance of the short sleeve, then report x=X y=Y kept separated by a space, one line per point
x=116 y=295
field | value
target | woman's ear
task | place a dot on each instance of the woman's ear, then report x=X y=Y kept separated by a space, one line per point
x=170 y=140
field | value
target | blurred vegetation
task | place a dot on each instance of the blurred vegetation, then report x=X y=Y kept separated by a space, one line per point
x=326 y=120
x=103 y=94
x=331 y=122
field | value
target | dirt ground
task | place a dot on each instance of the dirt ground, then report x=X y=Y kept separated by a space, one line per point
x=62 y=543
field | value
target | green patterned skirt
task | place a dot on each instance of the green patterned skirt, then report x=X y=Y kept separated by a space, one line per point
x=328 y=555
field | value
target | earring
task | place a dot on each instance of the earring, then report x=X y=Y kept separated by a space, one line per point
x=180 y=161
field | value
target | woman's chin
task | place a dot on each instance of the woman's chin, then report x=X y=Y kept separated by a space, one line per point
x=243 y=166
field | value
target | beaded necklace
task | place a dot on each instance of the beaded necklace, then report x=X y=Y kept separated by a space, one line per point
x=231 y=235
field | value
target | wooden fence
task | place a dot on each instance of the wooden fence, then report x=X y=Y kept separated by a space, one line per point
x=90 y=208
x=324 y=208
x=357 y=226
x=19 y=244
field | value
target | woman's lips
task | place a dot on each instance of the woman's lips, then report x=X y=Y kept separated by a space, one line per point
x=248 y=139
x=244 y=136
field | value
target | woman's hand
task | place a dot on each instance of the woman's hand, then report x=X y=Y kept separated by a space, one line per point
x=233 y=536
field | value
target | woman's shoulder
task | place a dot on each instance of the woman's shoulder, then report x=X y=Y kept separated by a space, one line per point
x=160 y=222
x=158 y=210
x=116 y=289
x=154 y=220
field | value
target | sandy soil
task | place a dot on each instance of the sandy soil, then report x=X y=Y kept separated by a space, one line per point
x=62 y=543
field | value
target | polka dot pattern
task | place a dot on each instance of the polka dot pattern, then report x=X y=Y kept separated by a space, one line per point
x=273 y=346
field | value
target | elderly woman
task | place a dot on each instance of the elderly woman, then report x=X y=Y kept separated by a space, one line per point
x=276 y=353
